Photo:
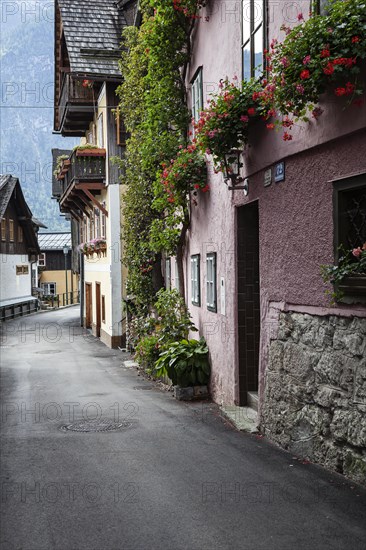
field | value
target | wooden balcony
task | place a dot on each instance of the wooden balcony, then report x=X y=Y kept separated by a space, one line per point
x=75 y=107
x=82 y=177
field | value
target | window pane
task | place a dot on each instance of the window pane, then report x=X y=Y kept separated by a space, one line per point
x=257 y=13
x=246 y=21
x=246 y=62
x=258 y=51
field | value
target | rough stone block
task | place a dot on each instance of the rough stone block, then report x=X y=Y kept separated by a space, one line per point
x=349 y=426
x=359 y=393
x=329 y=397
x=299 y=361
x=354 y=466
x=336 y=369
x=200 y=391
x=183 y=394
x=275 y=361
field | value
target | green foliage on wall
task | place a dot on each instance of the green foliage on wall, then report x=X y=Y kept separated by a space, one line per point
x=154 y=107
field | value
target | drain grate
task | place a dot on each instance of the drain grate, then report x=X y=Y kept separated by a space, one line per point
x=96 y=426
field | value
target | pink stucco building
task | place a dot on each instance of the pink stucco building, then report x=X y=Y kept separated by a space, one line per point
x=252 y=262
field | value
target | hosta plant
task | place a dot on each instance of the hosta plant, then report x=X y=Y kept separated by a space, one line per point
x=185 y=362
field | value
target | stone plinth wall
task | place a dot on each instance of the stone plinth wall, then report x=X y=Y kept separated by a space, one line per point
x=315 y=391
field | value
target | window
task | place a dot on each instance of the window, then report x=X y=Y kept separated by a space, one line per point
x=103 y=226
x=49 y=288
x=349 y=212
x=319 y=7
x=167 y=274
x=11 y=231
x=90 y=136
x=100 y=131
x=42 y=260
x=195 y=280
x=20 y=234
x=176 y=275
x=197 y=95
x=103 y=309
x=122 y=134
x=22 y=269
x=97 y=223
x=91 y=228
x=253 y=37
x=3 y=230
x=211 y=282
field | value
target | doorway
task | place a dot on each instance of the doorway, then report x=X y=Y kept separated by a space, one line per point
x=248 y=300
x=88 y=305
x=98 y=308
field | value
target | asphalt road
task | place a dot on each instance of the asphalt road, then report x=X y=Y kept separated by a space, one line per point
x=174 y=476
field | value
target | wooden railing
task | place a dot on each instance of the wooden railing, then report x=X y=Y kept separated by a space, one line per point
x=73 y=91
x=86 y=165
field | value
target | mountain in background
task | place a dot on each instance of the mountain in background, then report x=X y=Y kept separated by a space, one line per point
x=26 y=124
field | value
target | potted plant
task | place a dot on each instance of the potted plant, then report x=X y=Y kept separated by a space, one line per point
x=187 y=365
x=89 y=150
x=62 y=166
x=349 y=275
x=224 y=125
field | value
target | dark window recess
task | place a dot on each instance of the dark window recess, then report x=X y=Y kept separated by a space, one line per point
x=103 y=309
x=122 y=134
x=350 y=227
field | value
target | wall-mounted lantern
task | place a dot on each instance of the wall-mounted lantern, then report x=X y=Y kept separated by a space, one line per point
x=232 y=165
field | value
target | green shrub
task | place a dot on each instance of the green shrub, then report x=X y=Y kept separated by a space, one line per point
x=174 y=320
x=147 y=352
x=185 y=363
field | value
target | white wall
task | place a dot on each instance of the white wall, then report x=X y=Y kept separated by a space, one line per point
x=14 y=286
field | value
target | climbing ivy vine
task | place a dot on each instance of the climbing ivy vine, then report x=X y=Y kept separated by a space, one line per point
x=154 y=107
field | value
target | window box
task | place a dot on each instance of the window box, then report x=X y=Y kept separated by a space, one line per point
x=353 y=288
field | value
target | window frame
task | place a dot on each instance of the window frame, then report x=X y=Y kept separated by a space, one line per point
x=254 y=28
x=340 y=186
x=197 y=85
x=41 y=258
x=47 y=286
x=101 y=131
x=11 y=231
x=3 y=229
x=196 y=259
x=168 y=274
x=211 y=305
x=20 y=234
x=21 y=270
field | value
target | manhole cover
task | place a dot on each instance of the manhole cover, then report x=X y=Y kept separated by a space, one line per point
x=142 y=388
x=96 y=426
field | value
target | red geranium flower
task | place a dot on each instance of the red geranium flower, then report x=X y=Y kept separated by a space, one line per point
x=355 y=39
x=328 y=69
x=325 y=53
x=304 y=74
x=251 y=111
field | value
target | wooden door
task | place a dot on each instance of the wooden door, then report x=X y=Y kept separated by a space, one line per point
x=98 y=308
x=88 y=305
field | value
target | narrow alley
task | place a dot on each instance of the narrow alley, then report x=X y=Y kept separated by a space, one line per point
x=161 y=474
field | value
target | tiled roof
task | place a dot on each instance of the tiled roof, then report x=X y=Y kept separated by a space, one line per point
x=10 y=187
x=54 y=241
x=7 y=185
x=93 y=30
